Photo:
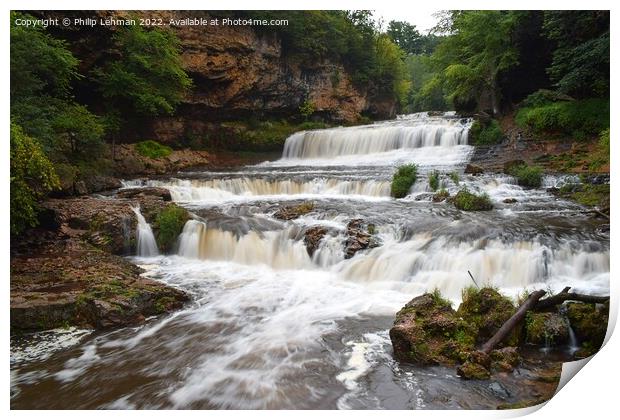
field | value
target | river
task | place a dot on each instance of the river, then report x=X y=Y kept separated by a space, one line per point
x=271 y=327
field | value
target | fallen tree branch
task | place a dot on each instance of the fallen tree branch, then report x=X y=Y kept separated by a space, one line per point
x=514 y=320
x=565 y=295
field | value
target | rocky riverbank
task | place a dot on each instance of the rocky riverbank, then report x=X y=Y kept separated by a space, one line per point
x=69 y=272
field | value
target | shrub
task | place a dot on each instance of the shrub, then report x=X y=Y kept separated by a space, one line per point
x=454 y=176
x=433 y=180
x=306 y=109
x=468 y=201
x=485 y=133
x=403 y=179
x=577 y=118
x=169 y=224
x=152 y=149
x=32 y=177
x=527 y=176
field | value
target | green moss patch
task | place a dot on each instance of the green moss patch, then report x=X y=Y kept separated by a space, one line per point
x=403 y=179
x=468 y=201
x=169 y=224
x=152 y=149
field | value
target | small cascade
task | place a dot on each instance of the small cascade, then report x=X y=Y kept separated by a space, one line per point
x=278 y=249
x=416 y=131
x=146 y=244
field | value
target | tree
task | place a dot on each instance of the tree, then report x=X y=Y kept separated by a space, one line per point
x=32 y=177
x=42 y=70
x=406 y=36
x=146 y=76
x=391 y=74
x=472 y=57
x=580 y=65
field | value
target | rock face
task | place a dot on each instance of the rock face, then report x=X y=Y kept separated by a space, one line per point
x=473 y=169
x=237 y=73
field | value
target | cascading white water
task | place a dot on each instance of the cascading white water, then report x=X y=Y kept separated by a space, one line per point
x=413 y=133
x=277 y=249
x=414 y=266
x=146 y=246
x=223 y=189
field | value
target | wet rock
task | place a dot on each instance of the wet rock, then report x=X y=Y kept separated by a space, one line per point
x=546 y=329
x=359 y=237
x=428 y=331
x=510 y=200
x=472 y=370
x=293 y=212
x=107 y=223
x=70 y=282
x=505 y=359
x=511 y=164
x=159 y=192
x=589 y=322
x=473 y=169
x=487 y=309
x=313 y=237
x=441 y=195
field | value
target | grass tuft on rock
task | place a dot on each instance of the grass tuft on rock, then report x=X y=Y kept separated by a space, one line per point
x=527 y=176
x=403 y=179
x=468 y=201
x=169 y=224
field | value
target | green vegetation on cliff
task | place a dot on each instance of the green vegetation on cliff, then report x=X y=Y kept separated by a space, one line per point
x=485 y=133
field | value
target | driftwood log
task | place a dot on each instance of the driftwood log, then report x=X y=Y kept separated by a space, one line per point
x=534 y=303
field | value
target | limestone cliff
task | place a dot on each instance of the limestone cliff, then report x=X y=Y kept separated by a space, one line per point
x=239 y=73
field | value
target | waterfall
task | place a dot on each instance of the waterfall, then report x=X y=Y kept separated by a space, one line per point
x=146 y=245
x=228 y=188
x=417 y=132
x=278 y=249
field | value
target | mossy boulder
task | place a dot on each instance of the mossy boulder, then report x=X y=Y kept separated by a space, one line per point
x=472 y=370
x=589 y=322
x=486 y=310
x=428 y=331
x=505 y=359
x=441 y=195
x=546 y=328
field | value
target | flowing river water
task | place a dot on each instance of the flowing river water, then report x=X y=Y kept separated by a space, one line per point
x=271 y=327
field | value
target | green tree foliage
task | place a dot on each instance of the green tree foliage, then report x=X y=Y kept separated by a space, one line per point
x=409 y=39
x=32 y=177
x=146 y=77
x=390 y=74
x=580 y=65
x=471 y=58
x=42 y=69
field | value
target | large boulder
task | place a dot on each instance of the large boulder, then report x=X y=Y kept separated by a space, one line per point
x=428 y=331
x=487 y=310
x=293 y=212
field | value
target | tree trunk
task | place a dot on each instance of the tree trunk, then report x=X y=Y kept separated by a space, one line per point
x=514 y=320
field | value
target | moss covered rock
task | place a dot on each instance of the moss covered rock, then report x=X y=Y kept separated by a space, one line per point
x=589 y=322
x=472 y=370
x=168 y=225
x=505 y=359
x=546 y=328
x=428 y=331
x=486 y=310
